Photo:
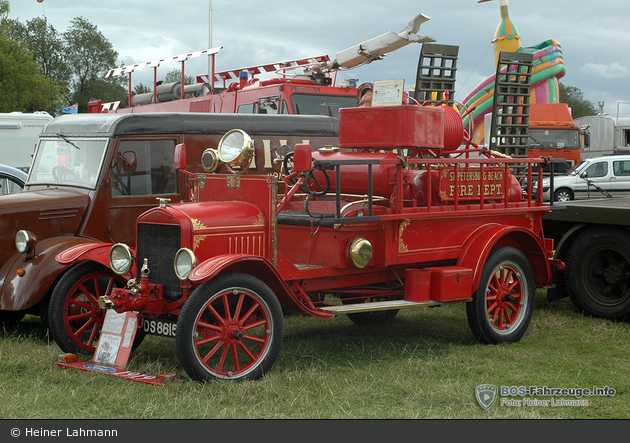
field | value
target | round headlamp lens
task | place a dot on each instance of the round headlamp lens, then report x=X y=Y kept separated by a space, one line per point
x=24 y=241
x=120 y=259
x=235 y=148
x=185 y=262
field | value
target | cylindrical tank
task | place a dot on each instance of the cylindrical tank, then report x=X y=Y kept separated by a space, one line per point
x=165 y=93
x=354 y=178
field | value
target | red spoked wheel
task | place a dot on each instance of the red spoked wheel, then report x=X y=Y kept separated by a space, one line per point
x=75 y=318
x=231 y=328
x=502 y=307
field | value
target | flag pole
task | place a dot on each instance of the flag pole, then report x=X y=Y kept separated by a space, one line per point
x=210 y=45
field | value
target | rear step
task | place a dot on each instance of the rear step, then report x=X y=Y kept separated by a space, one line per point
x=377 y=306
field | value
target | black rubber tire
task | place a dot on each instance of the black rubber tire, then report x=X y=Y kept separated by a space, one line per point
x=563 y=195
x=598 y=272
x=205 y=330
x=75 y=294
x=506 y=288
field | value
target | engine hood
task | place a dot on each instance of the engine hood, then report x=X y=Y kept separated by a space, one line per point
x=45 y=212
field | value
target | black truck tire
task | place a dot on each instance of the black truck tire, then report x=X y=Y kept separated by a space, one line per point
x=598 y=272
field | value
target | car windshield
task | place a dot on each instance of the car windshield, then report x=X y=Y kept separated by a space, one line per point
x=68 y=161
x=577 y=168
x=321 y=104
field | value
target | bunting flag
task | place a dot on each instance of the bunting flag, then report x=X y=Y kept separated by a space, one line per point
x=71 y=109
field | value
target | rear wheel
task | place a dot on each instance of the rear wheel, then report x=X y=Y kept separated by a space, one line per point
x=74 y=316
x=502 y=307
x=231 y=328
x=598 y=272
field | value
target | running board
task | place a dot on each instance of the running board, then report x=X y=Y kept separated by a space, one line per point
x=377 y=306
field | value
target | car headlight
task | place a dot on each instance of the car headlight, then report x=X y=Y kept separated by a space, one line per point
x=236 y=148
x=25 y=241
x=120 y=259
x=185 y=262
x=210 y=160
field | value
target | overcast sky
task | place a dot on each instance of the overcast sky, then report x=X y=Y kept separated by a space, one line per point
x=595 y=36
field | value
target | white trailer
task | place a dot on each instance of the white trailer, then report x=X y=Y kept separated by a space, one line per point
x=19 y=134
x=604 y=135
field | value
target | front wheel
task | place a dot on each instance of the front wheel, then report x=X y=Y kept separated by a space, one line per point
x=74 y=316
x=563 y=195
x=502 y=307
x=231 y=328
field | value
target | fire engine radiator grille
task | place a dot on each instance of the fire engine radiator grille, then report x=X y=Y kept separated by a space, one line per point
x=159 y=244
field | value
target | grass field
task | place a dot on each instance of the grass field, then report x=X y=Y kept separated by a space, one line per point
x=424 y=364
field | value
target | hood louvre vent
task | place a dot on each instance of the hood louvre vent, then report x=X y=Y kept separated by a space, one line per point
x=52 y=214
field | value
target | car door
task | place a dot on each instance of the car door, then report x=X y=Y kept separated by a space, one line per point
x=597 y=175
x=142 y=171
x=621 y=176
x=10 y=183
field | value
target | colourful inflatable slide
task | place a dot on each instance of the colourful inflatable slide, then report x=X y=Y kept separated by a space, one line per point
x=547 y=69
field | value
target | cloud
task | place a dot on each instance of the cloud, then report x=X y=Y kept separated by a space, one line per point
x=611 y=71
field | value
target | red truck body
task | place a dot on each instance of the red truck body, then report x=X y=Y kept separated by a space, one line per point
x=309 y=94
x=390 y=219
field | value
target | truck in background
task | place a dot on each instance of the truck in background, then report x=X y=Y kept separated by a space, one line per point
x=553 y=133
x=19 y=135
x=592 y=238
x=289 y=91
x=605 y=135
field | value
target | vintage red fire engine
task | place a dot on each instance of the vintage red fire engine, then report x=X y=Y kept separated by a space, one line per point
x=398 y=215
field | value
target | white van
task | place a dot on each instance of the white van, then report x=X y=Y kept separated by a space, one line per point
x=19 y=134
x=592 y=178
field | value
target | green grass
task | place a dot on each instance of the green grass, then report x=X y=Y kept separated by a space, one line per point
x=424 y=364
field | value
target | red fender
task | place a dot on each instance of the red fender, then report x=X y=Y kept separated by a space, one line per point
x=258 y=267
x=98 y=252
x=478 y=247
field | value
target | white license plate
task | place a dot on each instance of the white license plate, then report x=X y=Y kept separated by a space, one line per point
x=156 y=326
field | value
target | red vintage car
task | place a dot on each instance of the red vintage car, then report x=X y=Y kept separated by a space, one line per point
x=393 y=217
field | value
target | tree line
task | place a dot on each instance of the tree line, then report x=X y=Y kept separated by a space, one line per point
x=42 y=69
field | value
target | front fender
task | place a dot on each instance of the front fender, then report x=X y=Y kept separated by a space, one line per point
x=256 y=266
x=477 y=250
x=40 y=273
x=98 y=252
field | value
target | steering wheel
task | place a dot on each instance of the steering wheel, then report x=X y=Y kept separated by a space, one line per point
x=61 y=172
x=310 y=180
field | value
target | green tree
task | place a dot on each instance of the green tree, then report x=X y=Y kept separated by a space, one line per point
x=23 y=87
x=48 y=50
x=5 y=8
x=90 y=56
x=175 y=76
x=572 y=96
x=141 y=89
x=41 y=40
